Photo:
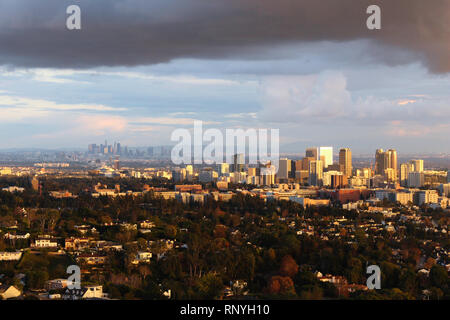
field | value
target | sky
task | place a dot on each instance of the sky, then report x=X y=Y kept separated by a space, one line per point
x=139 y=69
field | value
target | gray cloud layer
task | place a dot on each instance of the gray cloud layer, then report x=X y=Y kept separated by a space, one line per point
x=140 y=32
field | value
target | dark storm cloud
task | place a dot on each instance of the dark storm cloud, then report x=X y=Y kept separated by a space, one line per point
x=139 y=32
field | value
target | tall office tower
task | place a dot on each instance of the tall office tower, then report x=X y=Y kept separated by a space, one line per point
x=190 y=169
x=405 y=169
x=238 y=162
x=315 y=173
x=251 y=172
x=267 y=179
x=386 y=160
x=306 y=161
x=381 y=161
x=393 y=161
x=293 y=168
x=207 y=175
x=418 y=165
x=119 y=148
x=299 y=165
x=416 y=179
x=312 y=153
x=179 y=174
x=301 y=176
x=345 y=161
x=284 y=170
x=224 y=168
x=327 y=153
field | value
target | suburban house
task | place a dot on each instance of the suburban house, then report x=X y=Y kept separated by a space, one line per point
x=93 y=292
x=142 y=257
x=91 y=259
x=57 y=284
x=9 y=292
x=45 y=242
x=76 y=243
x=10 y=256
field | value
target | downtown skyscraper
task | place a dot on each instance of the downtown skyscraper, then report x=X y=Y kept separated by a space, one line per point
x=345 y=161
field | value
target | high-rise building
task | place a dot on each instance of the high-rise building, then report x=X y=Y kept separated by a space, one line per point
x=315 y=173
x=189 y=172
x=345 y=161
x=405 y=169
x=418 y=165
x=252 y=172
x=393 y=161
x=386 y=160
x=238 y=162
x=299 y=165
x=284 y=169
x=224 y=168
x=416 y=179
x=312 y=153
x=179 y=174
x=267 y=173
x=448 y=176
x=207 y=175
x=445 y=189
x=301 y=176
x=327 y=154
x=381 y=161
x=293 y=168
x=93 y=148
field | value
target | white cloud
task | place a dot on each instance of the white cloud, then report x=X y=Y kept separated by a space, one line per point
x=299 y=98
x=29 y=107
x=63 y=76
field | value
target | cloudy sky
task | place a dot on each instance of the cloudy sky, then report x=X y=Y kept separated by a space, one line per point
x=139 y=69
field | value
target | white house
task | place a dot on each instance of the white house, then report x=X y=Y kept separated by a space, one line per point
x=45 y=243
x=10 y=256
x=13 y=189
x=9 y=292
x=57 y=284
x=93 y=292
x=142 y=257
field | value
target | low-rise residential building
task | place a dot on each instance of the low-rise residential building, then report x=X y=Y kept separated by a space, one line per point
x=76 y=244
x=142 y=257
x=44 y=242
x=11 y=256
x=9 y=292
x=57 y=284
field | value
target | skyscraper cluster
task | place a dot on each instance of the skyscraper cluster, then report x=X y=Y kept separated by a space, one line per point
x=115 y=149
